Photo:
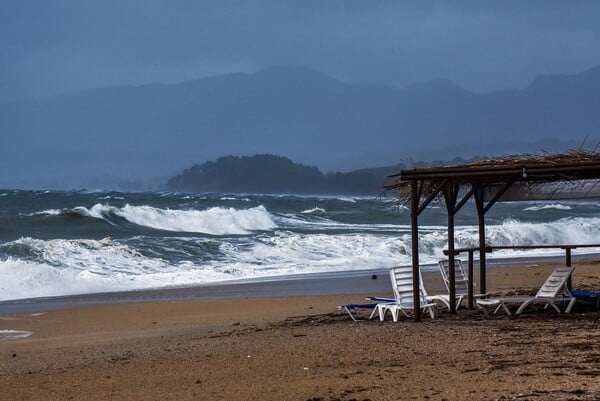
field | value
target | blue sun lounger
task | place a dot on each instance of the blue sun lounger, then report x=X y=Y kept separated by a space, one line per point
x=350 y=308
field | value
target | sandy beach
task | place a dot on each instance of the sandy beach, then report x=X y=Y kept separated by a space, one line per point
x=302 y=348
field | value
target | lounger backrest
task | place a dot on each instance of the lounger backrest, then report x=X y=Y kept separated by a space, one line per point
x=555 y=282
x=402 y=284
x=461 y=281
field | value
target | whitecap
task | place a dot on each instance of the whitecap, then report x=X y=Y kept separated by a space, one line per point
x=556 y=206
x=213 y=221
x=69 y=267
x=49 y=212
x=315 y=210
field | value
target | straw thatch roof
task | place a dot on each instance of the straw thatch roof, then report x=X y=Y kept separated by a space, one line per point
x=530 y=169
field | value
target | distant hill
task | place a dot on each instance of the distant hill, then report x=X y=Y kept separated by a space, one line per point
x=270 y=174
x=275 y=174
x=156 y=129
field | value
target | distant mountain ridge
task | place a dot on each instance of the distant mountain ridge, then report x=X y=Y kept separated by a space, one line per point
x=292 y=111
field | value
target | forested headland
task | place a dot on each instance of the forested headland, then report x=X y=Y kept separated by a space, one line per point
x=275 y=174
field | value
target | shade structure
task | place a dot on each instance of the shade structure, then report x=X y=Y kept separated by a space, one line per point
x=572 y=175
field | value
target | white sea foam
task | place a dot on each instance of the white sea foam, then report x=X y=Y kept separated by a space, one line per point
x=314 y=210
x=13 y=334
x=49 y=212
x=513 y=233
x=63 y=267
x=66 y=267
x=556 y=206
x=213 y=221
x=233 y=198
x=317 y=222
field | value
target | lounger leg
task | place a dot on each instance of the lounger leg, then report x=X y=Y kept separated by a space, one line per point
x=506 y=309
x=570 y=306
x=500 y=305
x=484 y=309
x=460 y=301
x=525 y=304
x=350 y=313
x=555 y=307
x=381 y=311
x=394 y=311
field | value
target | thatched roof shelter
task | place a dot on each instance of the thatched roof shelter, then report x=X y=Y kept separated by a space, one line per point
x=575 y=174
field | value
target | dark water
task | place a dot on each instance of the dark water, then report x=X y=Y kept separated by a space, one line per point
x=57 y=243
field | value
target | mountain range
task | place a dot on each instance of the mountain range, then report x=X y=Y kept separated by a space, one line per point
x=156 y=130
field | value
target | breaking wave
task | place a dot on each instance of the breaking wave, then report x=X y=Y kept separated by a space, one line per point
x=212 y=221
x=556 y=206
x=153 y=240
x=314 y=210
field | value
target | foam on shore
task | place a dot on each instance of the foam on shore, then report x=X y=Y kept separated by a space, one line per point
x=13 y=334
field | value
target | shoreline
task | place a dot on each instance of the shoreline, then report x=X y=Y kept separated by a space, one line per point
x=329 y=283
x=299 y=347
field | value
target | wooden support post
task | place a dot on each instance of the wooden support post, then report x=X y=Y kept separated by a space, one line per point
x=470 y=277
x=450 y=195
x=451 y=264
x=414 y=213
x=568 y=264
x=481 y=223
x=482 y=256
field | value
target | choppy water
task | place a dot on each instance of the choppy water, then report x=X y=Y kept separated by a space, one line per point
x=59 y=243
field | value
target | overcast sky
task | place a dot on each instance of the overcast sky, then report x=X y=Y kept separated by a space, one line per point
x=49 y=47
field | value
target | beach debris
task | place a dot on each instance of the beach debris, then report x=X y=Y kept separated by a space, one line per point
x=235 y=323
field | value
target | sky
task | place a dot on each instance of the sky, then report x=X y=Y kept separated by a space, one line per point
x=51 y=47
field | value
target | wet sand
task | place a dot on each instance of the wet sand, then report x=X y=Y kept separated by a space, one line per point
x=302 y=348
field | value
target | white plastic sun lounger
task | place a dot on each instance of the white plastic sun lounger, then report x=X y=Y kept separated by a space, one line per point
x=402 y=284
x=461 y=283
x=552 y=291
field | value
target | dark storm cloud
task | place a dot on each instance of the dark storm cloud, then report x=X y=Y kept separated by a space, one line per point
x=54 y=46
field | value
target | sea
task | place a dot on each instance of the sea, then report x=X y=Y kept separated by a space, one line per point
x=55 y=243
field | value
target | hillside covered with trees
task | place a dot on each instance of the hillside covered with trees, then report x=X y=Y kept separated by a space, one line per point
x=270 y=174
x=275 y=174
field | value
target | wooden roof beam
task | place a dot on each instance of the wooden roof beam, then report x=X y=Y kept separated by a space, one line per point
x=431 y=197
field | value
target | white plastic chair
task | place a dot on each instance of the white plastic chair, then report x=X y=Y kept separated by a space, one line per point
x=402 y=284
x=552 y=291
x=461 y=283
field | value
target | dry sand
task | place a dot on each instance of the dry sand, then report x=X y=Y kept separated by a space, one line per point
x=301 y=348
